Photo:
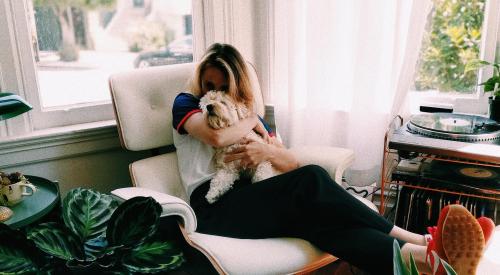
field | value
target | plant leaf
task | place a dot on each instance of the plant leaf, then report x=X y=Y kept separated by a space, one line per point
x=474 y=65
x=133 y=222
x=153 y=257
x=489 y=85
x=86 y=212
x=18 y=255
x=413 y=266
x=448 y=268
x=56 y=240
x=97 y=248
x=399 y=264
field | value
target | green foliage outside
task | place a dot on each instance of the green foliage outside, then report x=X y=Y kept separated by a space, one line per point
x=452 y=41
x=63 y=4
x=63 y=9
x=148 y=35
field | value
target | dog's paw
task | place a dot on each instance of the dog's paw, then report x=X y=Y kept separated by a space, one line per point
x=211 y=198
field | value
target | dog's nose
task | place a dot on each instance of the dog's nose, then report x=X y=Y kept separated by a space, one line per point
x=210 y=108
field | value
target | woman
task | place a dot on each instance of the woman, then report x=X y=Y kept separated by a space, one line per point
x=302 y=202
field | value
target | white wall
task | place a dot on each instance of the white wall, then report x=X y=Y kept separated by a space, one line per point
x=91 y=158
x=101 y=171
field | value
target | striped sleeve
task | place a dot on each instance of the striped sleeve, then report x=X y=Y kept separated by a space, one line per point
x=185 y=105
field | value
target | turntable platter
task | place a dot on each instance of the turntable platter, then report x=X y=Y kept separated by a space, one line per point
x=455 y=127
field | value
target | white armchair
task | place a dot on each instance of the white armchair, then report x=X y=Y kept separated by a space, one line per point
x=142 y=100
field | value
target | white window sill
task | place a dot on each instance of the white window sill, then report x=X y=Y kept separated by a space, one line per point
x=56 y=143
x=461 y=103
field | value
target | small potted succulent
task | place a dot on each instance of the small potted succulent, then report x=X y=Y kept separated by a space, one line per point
x=491 y=85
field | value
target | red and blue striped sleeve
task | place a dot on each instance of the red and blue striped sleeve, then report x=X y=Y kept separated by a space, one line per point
x=268 y=128
x=185 y=105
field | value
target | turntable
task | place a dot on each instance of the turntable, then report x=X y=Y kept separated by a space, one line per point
x=460 y=136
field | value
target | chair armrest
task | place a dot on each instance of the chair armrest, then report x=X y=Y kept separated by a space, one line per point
x=333 y=159
x=172 y=206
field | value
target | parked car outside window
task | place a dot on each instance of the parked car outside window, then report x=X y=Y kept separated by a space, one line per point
x=178 y=51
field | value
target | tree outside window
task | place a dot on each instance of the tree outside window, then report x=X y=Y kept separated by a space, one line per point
x=452 y=40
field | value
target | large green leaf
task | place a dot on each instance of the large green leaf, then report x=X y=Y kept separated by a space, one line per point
x=97 y=248
x=133 y=222
x=489 y=85
x=153 y=257
x=86 y=212
x=399 y=264
x=18 y=255
x=56 y=240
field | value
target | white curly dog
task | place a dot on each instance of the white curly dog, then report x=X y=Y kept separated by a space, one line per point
x=222 y=112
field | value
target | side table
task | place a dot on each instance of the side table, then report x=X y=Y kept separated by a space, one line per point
x=33 y=208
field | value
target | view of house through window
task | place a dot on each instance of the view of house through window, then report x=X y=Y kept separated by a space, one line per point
x=452 y=39
x=78 y=44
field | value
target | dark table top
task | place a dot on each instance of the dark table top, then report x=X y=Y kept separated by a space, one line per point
x=36 y=206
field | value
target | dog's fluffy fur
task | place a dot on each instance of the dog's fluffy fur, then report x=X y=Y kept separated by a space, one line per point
x=222 y=112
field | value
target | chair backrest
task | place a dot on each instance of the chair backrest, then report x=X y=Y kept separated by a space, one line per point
x=143 y=98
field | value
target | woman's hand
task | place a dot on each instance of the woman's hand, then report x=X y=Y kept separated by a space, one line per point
x=274 y=141
x=250 y=153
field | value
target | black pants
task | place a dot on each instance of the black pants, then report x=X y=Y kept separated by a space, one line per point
x=304 y=203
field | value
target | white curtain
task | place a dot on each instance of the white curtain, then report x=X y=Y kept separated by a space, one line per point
x=341 y=72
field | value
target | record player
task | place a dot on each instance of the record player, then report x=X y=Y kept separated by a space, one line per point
x=461 y=136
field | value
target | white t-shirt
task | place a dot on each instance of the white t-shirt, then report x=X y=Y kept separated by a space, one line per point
x=194 y=158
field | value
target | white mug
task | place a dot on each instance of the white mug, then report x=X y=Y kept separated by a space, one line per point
x=13 y=193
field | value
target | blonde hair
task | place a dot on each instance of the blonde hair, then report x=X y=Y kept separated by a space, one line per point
x=231 y=63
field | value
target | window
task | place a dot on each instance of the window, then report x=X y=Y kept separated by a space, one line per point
x=66 y=52
x=457 y=32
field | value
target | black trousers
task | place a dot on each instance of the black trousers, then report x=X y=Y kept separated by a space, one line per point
x=304 y=203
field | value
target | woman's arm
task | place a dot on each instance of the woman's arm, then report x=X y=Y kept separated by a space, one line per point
x=253 y=153
x=197 y=126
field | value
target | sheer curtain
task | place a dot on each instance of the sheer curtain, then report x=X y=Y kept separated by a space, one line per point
x=341 y=70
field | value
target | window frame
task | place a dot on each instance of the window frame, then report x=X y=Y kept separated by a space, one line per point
x=22 y=77
x=475 y=102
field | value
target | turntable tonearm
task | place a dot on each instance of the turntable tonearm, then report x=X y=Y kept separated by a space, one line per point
x=454 y=135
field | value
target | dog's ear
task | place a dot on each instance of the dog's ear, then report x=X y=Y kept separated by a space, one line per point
x=242 y=111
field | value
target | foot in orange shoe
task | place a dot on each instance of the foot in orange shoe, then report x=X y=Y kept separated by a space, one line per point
x=461 y=238
x=488 y=227
x=458 y=239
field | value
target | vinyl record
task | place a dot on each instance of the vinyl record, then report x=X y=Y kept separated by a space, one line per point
x=481 y=173
x=467 y=176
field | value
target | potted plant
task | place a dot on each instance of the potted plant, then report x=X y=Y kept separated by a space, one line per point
x=95 y=235
x=401 y=268
x=492 y=85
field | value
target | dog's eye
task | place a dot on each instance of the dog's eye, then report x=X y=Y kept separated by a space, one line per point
x=224 y=103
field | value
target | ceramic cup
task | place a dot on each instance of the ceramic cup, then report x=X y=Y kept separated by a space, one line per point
x=13 y=193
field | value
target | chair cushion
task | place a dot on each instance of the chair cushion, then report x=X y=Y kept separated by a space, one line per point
x=262 y=256
x=159 y=173
x=142 y=100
